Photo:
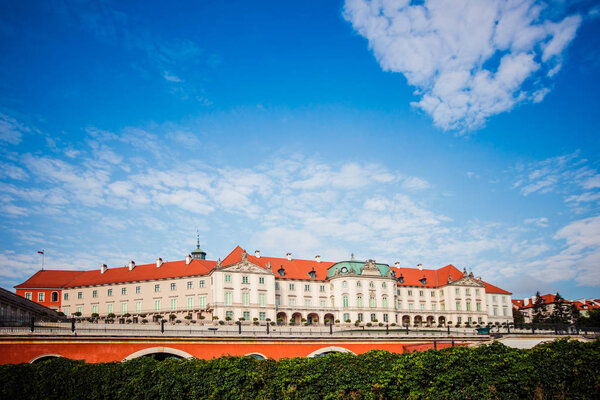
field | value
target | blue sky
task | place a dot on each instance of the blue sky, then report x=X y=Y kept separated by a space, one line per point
x=431 y=132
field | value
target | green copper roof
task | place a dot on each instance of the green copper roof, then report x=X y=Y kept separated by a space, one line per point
x=354 y=267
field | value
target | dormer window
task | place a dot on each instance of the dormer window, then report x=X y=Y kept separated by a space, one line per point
x=312 y=273
x=423 y=280
x=400 y=279
x=281 y=271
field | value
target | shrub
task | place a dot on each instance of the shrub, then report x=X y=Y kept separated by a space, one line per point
x=337 y=321
x=95 y=315
x=172 y=316
x=144 y=321
x=369 y=324
x=110 y=315
x=380 y=324
x=215 y=318
x=193 y=321
x=178 y=321
x=227 y=318
x=202 y=317
x=143 y=315
x=348 y=321
x=221 y=322
x=188 y=317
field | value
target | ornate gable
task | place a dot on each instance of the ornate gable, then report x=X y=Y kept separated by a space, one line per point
x=370 y=268
x=467 y=280
x=247 y=266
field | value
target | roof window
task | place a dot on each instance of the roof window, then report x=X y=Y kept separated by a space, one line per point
x=281 y=271
x=423 y=280
x=312 y=273
x=400 y=278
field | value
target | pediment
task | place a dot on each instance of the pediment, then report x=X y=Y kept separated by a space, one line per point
x=467 y=280
x=247 y=266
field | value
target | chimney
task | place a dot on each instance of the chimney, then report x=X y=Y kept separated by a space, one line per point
x=289 y=256
x=159 y=262
x=420 y=266
x=318 y=258
x=257 y=253
x=131 y=265
x=103 y=268
x=188 y=259
x=397 y=264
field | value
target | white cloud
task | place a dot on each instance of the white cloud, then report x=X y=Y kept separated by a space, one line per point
x=541 y=222
x=11 y=130
x=170 y=77
x=468 y=59
x=413 y=183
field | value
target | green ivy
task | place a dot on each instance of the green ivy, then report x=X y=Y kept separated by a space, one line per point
x=563 y=369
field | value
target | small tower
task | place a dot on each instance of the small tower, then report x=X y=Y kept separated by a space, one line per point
x=198 y=253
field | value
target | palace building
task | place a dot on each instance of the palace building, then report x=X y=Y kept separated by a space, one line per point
x=286 y=290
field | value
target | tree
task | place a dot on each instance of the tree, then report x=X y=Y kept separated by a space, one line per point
x=539 y=309
x=592 y=319
x=518 y=317
x=561 y=314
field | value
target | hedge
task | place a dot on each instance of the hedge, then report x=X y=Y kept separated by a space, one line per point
x=562 y=369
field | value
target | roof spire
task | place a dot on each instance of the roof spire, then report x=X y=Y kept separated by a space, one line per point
x=198 y=253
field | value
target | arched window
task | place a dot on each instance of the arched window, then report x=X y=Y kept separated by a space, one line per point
x=344 y=284
x=372 y=302
x=383 y=285
x=359 y=302
x=54 y=296
x=384 y=302
x=371 y=284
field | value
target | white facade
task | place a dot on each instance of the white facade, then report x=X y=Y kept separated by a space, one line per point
x=255 y=293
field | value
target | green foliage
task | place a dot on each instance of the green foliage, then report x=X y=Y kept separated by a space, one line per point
x=559 y=370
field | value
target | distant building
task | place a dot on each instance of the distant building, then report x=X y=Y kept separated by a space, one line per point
x=14 y=309
x=547 y=303
x=286 y=290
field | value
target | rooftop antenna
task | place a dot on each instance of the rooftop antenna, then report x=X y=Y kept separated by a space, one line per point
x=42 y=253
x=351 y=256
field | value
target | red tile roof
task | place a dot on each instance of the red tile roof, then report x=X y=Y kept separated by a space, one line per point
x=49 y=279
x=173 y=269
x=294 y=268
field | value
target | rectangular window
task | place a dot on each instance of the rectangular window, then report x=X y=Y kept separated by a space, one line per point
x=228 y=299
x=261 y=299
x=66 y=310
x=244 y=279
x=399 y=304
x=422 y=306
x=80 y=309
x=80 y=295
x=277 y=301
x=360 y=316
x=358 y=283
x=495 y=311
x=138 y=307
x=95 y=309
x=494 y=299
x=457 y=291
x=173 y=304
x=359 y=302
x=28 y=295
x=66 y=296
x=173 y=286
x=476 y=292
x=346 y=317
x=292 y=286
x=478 y=306
x=411 y=306
x=124 y=291
x=332 y=302
x=123 y=308
x=201 y=284
x=385 y=318
x=479 y=320
x=443 y=307
x=345 y=302
x=469 y=320
x=307 y=288
x=292 y=301
x=468 y=292
x=459 y=320
x=421 y=293
x=261 y=280
x=433 y=306
x=384 y=302
x=157 y=287
x=441 y=293
x=322 y=288
x=190 y=284
x=229 y=314
x=40 y=296
x=468 y=306
x=323 y=303
x=94 y=293
x=138 y=289
x=262 y=315
x=202 y=300
x=410 y=292
x=458 y=305
x=372 y=302
x=306 y=302
x=276 y=285
x=190 y=303
x=246 y=315
x=227 y=278
x=504 y=312
x=157 y=305
x=109 y=308
x=373 y=317
x=433 y=293
x=245 y=299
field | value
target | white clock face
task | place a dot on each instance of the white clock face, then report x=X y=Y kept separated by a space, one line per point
x=344 y=269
